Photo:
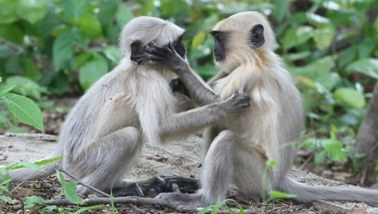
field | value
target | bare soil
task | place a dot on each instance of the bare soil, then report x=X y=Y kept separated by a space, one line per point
x=177 y=158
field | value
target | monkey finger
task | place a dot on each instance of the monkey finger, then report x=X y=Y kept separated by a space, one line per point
x=153 y=50
x=155 y=59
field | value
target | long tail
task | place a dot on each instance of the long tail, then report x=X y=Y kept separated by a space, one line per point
x=28 y=174
x=306 y=193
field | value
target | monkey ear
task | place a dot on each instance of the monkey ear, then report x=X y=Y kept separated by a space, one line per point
x=257 y=36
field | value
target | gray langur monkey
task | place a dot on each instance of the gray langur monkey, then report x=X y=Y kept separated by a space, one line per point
x=268 y=130
x=103 y=134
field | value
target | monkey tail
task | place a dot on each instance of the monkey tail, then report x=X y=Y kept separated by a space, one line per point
x=29 y=174
x=306 y=193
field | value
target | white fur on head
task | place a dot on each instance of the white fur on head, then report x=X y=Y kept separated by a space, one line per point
x=147 y=29
x=238 y=48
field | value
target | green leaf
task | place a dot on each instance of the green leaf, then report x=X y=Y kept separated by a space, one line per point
x=6 y=199
x=313 y=70
x=368 y=66
x=47 y=161
x=63 y=47
x=350 y=97
x=113 y=54
x=320 y=157
x=30 y=68
x=297 y=36
x=73 y=9
x=90 y=25
x=24 y=109
x=25 y=86
x=32 y=11
x=8 y=12
x=70 y=192
x=366 y=47
x=5 y=89
x=12 y=33
x=334 y=149
x=31 y=201
x=29 y=165
x=92 y=71
x=198 y=39
x=280 y=8
x=281 y=195
x=69 y=189
x=123 y=15
x=323 y=37
x=80 y=60
x=107 y=10
x=346 y=56
x=317 y=20
x=271 y=163
x=90 y=208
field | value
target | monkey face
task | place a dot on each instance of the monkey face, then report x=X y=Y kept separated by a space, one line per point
x=220 y=40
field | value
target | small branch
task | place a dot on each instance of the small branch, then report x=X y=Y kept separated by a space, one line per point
x=81 y=183
x=97 y=190
x=119 y=200
x=12 y=45
x=306 y=161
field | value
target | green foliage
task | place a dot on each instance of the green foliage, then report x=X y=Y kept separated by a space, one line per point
x=221 y=205
x=54 y=44
x=330 y=47
x=21 y=107
x=280 y=195
x=69 y=190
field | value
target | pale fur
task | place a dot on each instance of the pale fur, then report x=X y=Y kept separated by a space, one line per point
x=268 y=130
x=103 y=134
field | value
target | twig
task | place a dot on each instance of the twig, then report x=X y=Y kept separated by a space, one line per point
x=12 y=45
x=97 y=190
x=81 y=183
x=119 y=200
x=307 y=161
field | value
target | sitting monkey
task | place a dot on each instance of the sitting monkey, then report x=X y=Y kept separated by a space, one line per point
x=237 y=153
x=103 y=135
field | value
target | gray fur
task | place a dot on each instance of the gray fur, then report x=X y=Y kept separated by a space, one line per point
x=103 y=134
x=268 y=130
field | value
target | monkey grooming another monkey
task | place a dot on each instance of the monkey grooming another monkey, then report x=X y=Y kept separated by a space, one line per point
x=103 y=134
x=239 y=150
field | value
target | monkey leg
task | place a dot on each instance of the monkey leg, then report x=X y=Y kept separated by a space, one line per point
x=104 y=163
x=217 y=175
x=227 y=162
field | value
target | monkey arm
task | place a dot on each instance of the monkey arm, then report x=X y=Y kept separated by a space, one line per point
x=198 y=118
x=198 y=89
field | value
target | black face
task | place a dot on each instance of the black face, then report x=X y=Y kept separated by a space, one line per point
x=179 y=47
x=257 y=36
x=220 y=40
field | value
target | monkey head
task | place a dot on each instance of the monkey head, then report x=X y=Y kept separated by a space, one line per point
x=143 y=30
x=241 y=38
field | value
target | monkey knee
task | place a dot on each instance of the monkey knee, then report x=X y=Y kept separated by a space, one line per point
x=224 y=141
x=225 y=135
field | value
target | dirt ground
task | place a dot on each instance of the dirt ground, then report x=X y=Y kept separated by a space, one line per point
x=178 y=158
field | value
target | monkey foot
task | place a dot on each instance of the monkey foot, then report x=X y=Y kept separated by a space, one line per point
x=157 y=185
x=183 y=202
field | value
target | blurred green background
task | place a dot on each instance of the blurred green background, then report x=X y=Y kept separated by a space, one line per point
x=58 y=48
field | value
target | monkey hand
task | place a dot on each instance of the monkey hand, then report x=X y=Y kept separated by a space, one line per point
x=166 y=55
x=137 y=53
x=178 y=86
x=238 y=102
